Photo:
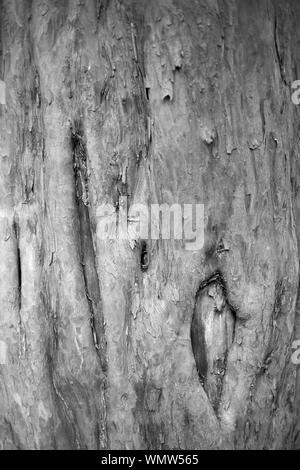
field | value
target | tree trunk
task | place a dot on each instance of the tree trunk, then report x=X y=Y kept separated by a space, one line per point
x=108 y=344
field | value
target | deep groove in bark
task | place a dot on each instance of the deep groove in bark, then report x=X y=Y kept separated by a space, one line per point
x=144 y=256
x=279 y=58
x=19 y=266
x=87 y=254
x=16 y=231
x=88 y=265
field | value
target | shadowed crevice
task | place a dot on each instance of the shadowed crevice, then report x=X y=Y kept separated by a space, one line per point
x=87 y=253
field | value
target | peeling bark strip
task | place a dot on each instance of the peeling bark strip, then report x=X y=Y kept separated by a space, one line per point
x=106 y=344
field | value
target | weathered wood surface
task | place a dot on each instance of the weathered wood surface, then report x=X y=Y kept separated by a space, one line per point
x=161 y=101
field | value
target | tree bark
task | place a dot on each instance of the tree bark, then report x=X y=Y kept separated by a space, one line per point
x=109 y=345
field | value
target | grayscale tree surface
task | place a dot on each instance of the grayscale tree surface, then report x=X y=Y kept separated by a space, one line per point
x=163 y=101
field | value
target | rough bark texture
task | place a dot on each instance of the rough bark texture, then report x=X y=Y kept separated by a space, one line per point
x=161 y=101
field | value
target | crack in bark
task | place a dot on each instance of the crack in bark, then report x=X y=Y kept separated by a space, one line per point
x=68 y=412
x=16 y=231
x=144 y=256
x=87 y=254
x=279 y=58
